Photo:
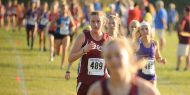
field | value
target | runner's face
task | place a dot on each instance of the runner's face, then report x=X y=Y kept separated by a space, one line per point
x=144 y=30
x=33 y=5
x=158 y=6
x=15 y=2
x=45 y=6
x=96 y=22
x=10 y=3
x=112 y=24
x=55 y=7
x=64 y=9
x=133 y=27
x=22 y=4
x=116 y=57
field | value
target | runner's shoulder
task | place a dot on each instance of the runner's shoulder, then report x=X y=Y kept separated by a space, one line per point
x=146 y=88
x=81 y=37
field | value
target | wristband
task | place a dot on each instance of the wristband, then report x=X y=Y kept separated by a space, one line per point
x=67 y=71
x=83 y=51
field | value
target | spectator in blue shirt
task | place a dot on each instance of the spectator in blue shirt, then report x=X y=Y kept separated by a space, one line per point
x=172 y=17
x=97 y=5
x=118 y=7
x=160 y=22
x=87 y=8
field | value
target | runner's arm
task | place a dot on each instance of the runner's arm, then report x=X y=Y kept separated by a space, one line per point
x=72 y=23
x=76 y=51
x=158 y=55
x=185 y=34
x=164 y=23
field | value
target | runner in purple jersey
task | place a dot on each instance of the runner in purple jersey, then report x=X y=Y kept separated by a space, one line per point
x=42 y=26
x=148 y=49
x=31 y=20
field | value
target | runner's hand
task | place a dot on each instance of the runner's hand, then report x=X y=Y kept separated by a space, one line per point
x=163 y=61
x=89 y=46
x=67 y=76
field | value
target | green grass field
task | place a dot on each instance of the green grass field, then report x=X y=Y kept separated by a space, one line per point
x=25 y=72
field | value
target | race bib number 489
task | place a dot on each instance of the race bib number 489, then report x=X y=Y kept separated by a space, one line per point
x=149 y=68
x=96 y=66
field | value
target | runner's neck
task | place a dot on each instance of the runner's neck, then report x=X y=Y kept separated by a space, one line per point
x=65 y=15
x=146 y=39
x=96 y=35
x=45 y=10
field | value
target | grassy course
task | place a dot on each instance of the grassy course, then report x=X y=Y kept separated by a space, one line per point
x=25 y=72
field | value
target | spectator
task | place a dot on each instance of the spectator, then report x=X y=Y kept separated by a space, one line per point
x=134 y=14
x=97 y=5
x=160 y=22
x=118 y=7
x=149 y=17
x=184 y=39
x=87 y=8
x=129 y=6
x=172 y=17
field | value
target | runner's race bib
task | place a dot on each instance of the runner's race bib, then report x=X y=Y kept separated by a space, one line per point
x=43 y=21
x=31 y=21
x=64 y=30
x=149 y=69
x=96 y=66
x=14 y=11
x=8 y=12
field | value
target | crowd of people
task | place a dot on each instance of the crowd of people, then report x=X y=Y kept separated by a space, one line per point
x=117 y=47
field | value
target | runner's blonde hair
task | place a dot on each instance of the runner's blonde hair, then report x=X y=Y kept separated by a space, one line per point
x=116 y=17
